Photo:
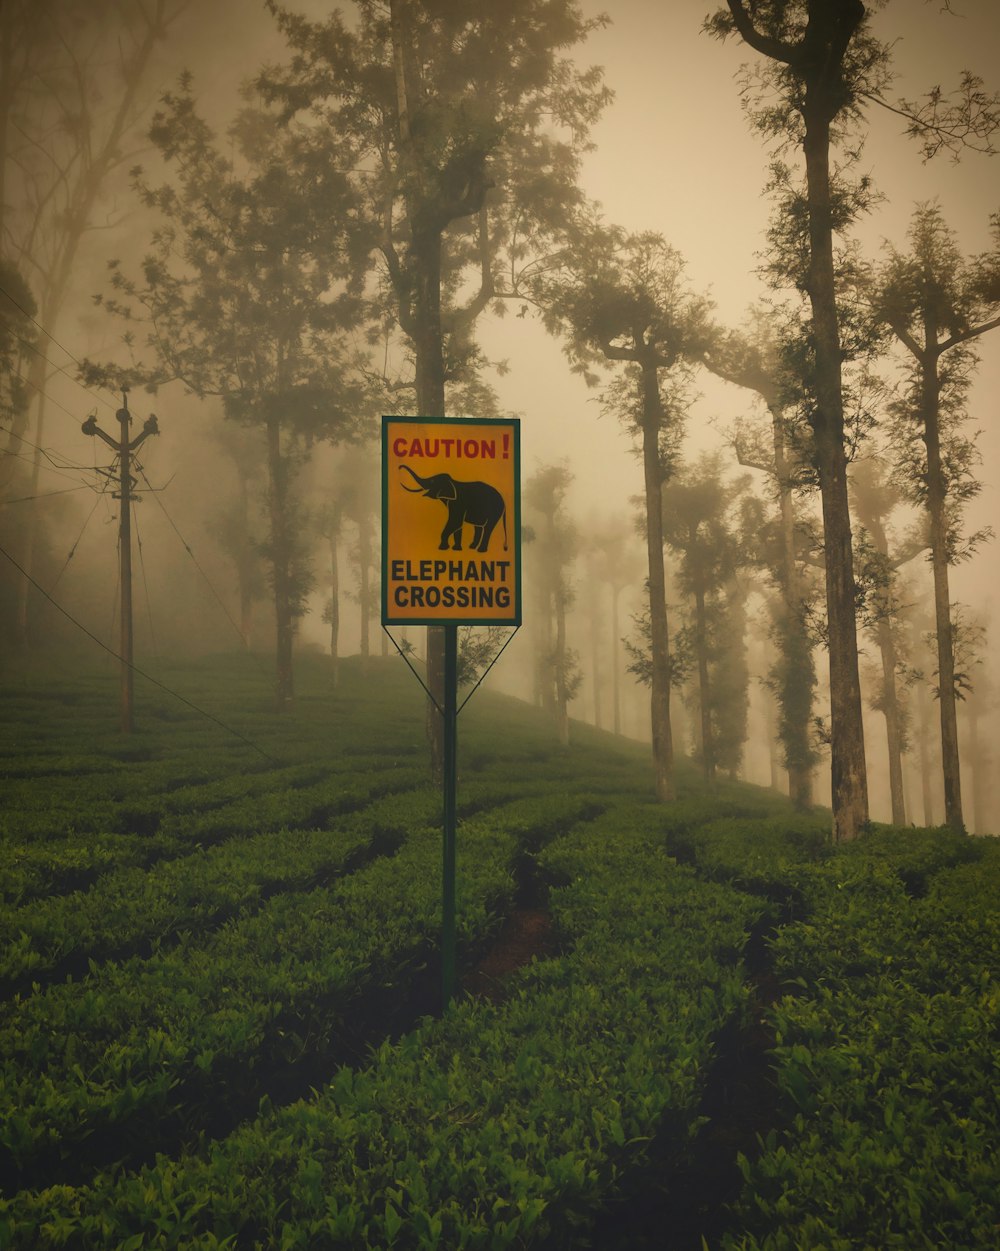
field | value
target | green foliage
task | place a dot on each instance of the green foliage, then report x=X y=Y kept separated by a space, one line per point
x=886 y=1054
x=238 y=964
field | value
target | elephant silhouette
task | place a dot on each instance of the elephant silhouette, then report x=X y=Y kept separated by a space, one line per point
x=477 y=504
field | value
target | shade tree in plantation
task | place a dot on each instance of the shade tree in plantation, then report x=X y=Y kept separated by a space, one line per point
x=614 y=562
x=821 y=69
x=73 y=88
x=938 y=305
x=359 y=497
x=468 y=127
x=620 y=301
x=238 y=525
x=247 y=295
x=761 y=358
x=883 y=601
x=17 y=344
x=330 y=526
x=818 y=59
x=979 y=706
x=701 y=527
x=550 y=557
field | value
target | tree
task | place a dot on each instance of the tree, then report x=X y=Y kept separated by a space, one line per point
x=621 y=299
x=821 y=60
x=981 y=754
x=875 y=497
x=235 y=526
x=759 y=360
x=17 y=334
x=699 y=524
x=554 y=547
x=821 y=67
x=614 y=562
x=71 y=96
x=249 y=297
x=455 y=115
x=330 y=526
x=938 y=305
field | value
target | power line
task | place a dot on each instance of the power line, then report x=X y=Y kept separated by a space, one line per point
x=72 y=550
x=145 y=584
x=44 y=495
x=52 y=337
x=187 y=548
x=52 y=466
x=149 y=678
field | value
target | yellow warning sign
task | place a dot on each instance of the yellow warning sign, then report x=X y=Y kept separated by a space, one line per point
x=451 y=505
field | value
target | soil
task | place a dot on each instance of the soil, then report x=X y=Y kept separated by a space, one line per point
x=683 y=1203
x=526 y=934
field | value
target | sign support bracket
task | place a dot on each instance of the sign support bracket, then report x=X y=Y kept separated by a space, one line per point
x=449 y=714
x=448 y=939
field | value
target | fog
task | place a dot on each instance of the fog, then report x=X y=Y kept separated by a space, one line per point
x=672 y=153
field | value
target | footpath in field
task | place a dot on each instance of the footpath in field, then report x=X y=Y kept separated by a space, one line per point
x=730 y=1031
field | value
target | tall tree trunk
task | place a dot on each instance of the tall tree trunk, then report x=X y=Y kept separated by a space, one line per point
x=979 y=768
x=796 y=700
x=562 y=701
x=848 y=769
x=37 y=380
x=893 y=720
x=704 y=687
x=616 y=685
x=595 y=649
x=936 y=501
x=873 y=521
x=244 y=562
x=364 y=586
x=923 y=737
x=335 y=525
x=280 y=564
x=428 y=346
x=663 y=748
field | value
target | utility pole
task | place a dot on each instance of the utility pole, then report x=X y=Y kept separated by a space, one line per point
x=124 y=449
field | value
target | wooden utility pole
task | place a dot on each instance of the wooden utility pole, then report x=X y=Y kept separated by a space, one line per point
x=124 y=448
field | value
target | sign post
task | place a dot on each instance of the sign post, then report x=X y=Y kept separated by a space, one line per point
x=451 y=556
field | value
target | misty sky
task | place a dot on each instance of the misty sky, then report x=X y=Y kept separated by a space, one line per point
x=673 y=154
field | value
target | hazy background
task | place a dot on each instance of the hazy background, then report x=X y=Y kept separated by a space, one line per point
x=674 y=154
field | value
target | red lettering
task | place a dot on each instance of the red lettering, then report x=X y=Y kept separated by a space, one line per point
x=399 y=447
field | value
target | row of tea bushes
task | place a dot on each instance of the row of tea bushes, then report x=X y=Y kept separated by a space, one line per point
x=132 y=908
x=500 y=1125
x=129 y=908
x=887 y=1055
x=145 y=1042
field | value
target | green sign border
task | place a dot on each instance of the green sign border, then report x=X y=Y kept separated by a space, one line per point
x=513 y=424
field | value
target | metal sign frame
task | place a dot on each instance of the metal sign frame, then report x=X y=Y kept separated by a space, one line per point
x=434 y=567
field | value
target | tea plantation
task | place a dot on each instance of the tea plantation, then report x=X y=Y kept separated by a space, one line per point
x=220 y=1019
